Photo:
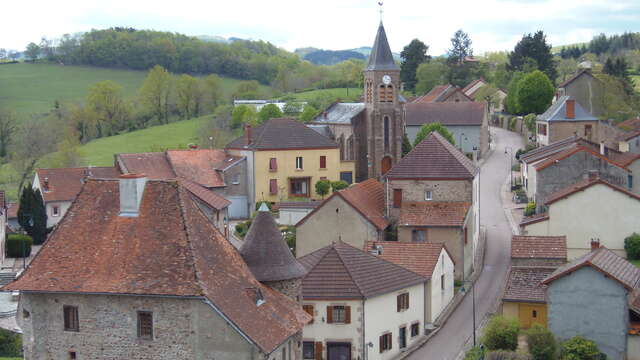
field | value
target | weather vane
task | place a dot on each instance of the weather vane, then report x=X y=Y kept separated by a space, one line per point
x=380 y=4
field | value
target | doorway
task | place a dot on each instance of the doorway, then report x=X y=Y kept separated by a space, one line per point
x=338 y=351
x=386 y=164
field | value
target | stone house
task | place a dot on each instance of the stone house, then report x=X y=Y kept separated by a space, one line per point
x=353 y=215
x=443 y=93
x=471 y=90
x=467 y=122
x=59 y=187
x=586 y=89
x=137 y=271
x=435 y=171
x=363 y=307
x=566 y=117
x=592 y=209
x=533 y=258
x=429 y=260
x=216 y=172
x=596 y=297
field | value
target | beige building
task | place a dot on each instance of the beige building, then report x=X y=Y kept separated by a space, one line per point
x=592 y=209
x=566 y=117
x=471 y=90
x=363 y=307
x=353 y=215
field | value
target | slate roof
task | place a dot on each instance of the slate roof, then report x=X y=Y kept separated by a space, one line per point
x=544 y=151
x=419 y=257
x=434 y=157
x=341 y=271
x=557 y=112
x=323 y=130
x=367 y=198
x=538 y=247
x=170 y=249
x=283 y=134
x=202 y=166
x=381 y=57
x=524 y=284
x=265 y=251
x=65 y=183
x=584 y=184
x=611 y=158
x=446 y=113
x=339 y=113
x=433 y=213
x=605 y=261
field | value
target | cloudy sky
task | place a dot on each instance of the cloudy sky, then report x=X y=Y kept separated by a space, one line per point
x=329 y=24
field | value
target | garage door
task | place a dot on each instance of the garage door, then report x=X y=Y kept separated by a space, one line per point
x=238 y=208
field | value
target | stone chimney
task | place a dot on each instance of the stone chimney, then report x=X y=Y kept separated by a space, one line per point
x=570 y=106
x=131 y=191
x=595 y=244
x=247 y=134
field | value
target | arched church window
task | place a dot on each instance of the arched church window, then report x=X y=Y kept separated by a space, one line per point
x=382 y=93
x=369 y=92
x=341 y=144
x=389 y=93
x=349 y=155
x=386 y=133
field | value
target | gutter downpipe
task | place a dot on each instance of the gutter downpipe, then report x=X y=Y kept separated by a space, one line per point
x=365 y=347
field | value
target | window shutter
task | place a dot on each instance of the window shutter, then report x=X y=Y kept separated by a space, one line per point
x=397 y=198
x=323 y=162
x=318 y=350
x=309 y=310
x=273 y=164
x=347 y=314
x=382 y=343
x=390 y=341
x=329 y=314
x=407 y=295
x=398 y=303
x=273 y=186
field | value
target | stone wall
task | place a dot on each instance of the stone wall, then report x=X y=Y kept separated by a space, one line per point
x=237 y=172
x=442 y=190
x=588 y=92
x=291 y=288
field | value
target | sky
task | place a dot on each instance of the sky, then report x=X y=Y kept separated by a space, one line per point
x=328 y=24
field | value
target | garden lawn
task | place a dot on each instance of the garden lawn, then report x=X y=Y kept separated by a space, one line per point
x=635 y=262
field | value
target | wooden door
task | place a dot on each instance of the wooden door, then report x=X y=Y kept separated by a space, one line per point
x=530 y=314
x=386 y=164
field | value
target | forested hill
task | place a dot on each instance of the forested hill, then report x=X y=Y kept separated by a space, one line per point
x=330 y=57
x=142 y=49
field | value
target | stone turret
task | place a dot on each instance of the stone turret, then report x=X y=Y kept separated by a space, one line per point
x=269 y=258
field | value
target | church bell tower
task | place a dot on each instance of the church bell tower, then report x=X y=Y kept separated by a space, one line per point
x=384 y=116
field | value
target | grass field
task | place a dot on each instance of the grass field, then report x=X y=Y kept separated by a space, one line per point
x=635 y=262
x=342 y=93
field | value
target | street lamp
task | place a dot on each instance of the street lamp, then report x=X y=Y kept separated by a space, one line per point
x=473 y=302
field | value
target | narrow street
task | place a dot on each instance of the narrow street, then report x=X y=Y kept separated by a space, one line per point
x=451 y=338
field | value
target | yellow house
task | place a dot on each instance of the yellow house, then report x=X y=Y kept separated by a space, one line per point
x=286 y=159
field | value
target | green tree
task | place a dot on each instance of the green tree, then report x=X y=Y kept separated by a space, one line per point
x=542 y=344
x=212 y=88
x=323 y=187
x=406 y=145
x=249 y=89
x=632 y=246
x=32 y=215
x=7 y=130
x=33 y=140
x=292 y=108
x=429 y=75
x=412 y=56
x=530 y=122
x=566 y=68
x=579 y=348
x=511 y=101
x=269 y=111
x=107 y=108
x=501 y=334
x=308 y=113
x=535 y=92
x=242 y=115
x=338 y=185
x=490 y=94
x=32 y=51
x=533 y=47
x=156 y=91
x=189 y=96
x=460 y=47
x=427 y=129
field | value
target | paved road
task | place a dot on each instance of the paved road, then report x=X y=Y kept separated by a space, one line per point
x=448 y=342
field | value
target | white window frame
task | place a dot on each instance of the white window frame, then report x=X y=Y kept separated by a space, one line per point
x=428 y=195
x=299 y=163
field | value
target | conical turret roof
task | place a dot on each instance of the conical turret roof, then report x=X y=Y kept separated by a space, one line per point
x=266 y=253
x=381 y=57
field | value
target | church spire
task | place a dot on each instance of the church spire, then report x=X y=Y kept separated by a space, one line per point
x=381 y=57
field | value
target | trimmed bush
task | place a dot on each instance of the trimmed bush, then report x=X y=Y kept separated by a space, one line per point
x=542 y=343
x=338 y=185
x=530 y=209
x=632 y=246
x=501 y=334
x=579 y=348
x=10 y=343
x=475 y=353
x=15 y=243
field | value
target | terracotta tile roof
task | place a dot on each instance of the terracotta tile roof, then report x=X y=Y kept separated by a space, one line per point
x=632 y=124
x=202 y=166
x=266 y=252
x=538 y=247
x=472 y=84
x=153 y=164
x=628 y=135
x=170 y=249
x=434 y=157
x=65 y=183
x=524 y=284
x=341 y=271
x=284 y=133
x=12 y=210
x=582 y=185
x=419 y=257
x=433 y=94
x=433 y=213
x=528 y=220
x=446 y=113
x=367 y=198
x=209 y=197
x=615 y=160
x=605 y=261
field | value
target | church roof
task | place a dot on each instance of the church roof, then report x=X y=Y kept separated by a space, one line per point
x=339 y=113
x=266 y=253
x=381 y=57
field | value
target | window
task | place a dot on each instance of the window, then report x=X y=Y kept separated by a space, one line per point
x=402 y=337
x=415 y=329
x=385 y=342
x=382 y=94
x=323 y=162
x=55 y=211
x=308 y=350
x=442 y=282
x=235 y=180
x=25 y=314
x=273 y=186
x=466 y=236
x=72 y=355
x=284 y=353
x=397 y=198
x=71 y=318
x=346 y=176
x=630 y=181
x=534 y=314
x=309 y=310
x=300 y=187
x=417 y=235
x=339 y=314
x=389 y=93
x=428 y=195
x=402 y=302
x=145 y=324
x=386 y=133
x=273 y=164
x=299 y=163
x=542 y=129
x=587 y=131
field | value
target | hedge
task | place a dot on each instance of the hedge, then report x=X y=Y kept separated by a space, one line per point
x=14 y=246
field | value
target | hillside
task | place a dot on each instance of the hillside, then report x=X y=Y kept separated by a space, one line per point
x=332 y=57
x=350 y=94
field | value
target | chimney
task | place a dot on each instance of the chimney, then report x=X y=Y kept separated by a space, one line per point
x=247 y=134
x=131 y=191
x=571 y=109
x=595 y=244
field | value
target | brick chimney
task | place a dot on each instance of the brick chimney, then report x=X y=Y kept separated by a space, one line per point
x=247 y=134
x=131 y=191
x=595 y=244
x=570 y=106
